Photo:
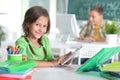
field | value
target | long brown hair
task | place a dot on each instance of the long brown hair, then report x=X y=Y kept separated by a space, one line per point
x=31 y=15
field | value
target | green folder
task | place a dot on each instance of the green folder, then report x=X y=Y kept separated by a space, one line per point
x=10 y=66
x=98 y=60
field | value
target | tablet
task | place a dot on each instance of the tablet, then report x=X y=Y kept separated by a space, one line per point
x=71 y=55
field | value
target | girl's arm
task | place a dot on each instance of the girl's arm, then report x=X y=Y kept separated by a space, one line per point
x=51 y=63
x=54 y=62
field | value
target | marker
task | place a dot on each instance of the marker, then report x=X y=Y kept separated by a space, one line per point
x=9 y=51
x=20 y=51
x=16 y=47
x=16 y=52
x=13 y=49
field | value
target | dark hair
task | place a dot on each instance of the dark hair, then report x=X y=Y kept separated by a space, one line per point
x=98 y=9
x=32 y=15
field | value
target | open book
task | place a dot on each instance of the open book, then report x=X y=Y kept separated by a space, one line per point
x=98 y=60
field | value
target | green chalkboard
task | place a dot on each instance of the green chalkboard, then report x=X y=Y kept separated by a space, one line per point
x=81 y=8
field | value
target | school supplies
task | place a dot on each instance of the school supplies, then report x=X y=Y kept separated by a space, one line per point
x=28 y=77
x=116 y=74
x=108 y=76
x=17 y=57
x=10 y=66
x=9 y=75
x=111 y=71
x=14 y=53
x=6 y=78
x=14 y=50
x=113 y=67
x=96 y=62
x=23 y=71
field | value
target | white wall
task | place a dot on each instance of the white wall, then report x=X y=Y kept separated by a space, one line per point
x=52 y=13
x=11 y=21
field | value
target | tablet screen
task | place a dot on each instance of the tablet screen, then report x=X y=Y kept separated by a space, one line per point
x=71 y=55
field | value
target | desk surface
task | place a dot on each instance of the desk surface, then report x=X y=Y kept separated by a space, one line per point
x=75 y=44
x=58 y=44
x=64 y=73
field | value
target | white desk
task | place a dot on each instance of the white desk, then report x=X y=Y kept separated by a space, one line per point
x=74 y=44
x=64 y=73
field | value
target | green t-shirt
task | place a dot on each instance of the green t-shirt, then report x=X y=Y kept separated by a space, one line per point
x=21 y=42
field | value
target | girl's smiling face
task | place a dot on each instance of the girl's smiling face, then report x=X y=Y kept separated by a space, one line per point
x=38 y=28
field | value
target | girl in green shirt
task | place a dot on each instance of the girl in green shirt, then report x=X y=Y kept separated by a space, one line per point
x=36 y=45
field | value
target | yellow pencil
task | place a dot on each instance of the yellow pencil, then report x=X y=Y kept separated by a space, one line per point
x=16 y=47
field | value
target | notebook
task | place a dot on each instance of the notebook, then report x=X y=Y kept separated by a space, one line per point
x=23 y=71
x=116 y=74
x=9 y=75
x=108 y=76
x=6 y=78
x=112 y=67
x=9 y=66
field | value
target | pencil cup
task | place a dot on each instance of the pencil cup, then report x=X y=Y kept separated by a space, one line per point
x=15 y=57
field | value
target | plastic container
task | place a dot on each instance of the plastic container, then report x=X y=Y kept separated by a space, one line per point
x=15 y=57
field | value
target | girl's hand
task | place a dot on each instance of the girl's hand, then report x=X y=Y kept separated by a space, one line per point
x=62 y=58
x=66 y=56
x=24 y=57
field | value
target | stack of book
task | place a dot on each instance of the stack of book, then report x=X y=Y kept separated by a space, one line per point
x=16 y=70
x=111 y=71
